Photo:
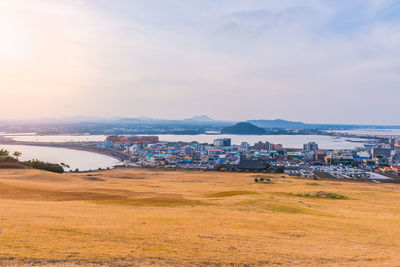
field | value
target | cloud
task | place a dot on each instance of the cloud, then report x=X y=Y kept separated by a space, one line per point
x=310 y=60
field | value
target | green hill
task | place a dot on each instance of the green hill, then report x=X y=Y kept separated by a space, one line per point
x=243 y=128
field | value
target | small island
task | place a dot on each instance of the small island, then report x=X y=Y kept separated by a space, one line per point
x=243 y=128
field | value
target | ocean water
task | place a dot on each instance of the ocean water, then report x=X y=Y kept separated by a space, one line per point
x=82 y=160
x=372 y=132
x=56 y=138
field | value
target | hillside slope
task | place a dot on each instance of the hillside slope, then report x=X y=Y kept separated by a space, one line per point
x=141 y=217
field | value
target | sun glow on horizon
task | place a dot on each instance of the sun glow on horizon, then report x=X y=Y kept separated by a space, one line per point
x=15 y=40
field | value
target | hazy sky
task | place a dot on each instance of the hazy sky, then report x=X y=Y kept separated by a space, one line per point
x=308 y=60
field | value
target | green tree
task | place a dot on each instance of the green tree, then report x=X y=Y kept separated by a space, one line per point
x=40 y=165
x=17 y=154
x=64 y=165
x=5 y=156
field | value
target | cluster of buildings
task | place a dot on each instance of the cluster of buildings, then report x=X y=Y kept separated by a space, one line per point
x=149 y=151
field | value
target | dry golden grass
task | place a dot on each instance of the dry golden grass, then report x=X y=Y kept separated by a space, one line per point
x=141 y=217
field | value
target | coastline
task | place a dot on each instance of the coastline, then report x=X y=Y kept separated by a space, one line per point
x=119 y=155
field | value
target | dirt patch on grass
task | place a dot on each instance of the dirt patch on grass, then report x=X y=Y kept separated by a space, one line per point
x=263 y=206
x=149 y=202
x=34 y=194
x=94 y=179
x=16 y=192
x=263 y=176
x=313 y=184
x=322 y=194
x=231 y=193
x=128 y=178
x=44 y=263
x=187 y=181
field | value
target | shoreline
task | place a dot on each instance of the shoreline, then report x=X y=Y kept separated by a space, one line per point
x=119 y=155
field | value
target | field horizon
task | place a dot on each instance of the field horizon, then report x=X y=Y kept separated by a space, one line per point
x=143 y=217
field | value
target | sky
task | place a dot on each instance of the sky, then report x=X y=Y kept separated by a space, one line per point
x=317 y=61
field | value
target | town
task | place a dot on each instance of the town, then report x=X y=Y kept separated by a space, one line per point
x=378 y=160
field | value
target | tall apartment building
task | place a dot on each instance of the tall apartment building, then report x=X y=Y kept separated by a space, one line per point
x=222 y=142
x=310 y=146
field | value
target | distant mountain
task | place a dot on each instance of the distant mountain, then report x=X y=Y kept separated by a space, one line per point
x=284 y=124
x=202 y=118
x=205 y=120
x=133 y=121
x=277 y=124
x=197 y=122
x=145 y=118
x=243 y=128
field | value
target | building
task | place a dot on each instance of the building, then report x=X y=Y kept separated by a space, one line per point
x=222 y=142
x=369 y=147
x=108 y=143
x=310 y=146
x=132 y=139
x=363 y=155
x=382 y=156
x=319 y=155
x=275 y=146
x=309 y=156
x=252 y=165
x=294 y=156
x=381 y=152
x=214 y=152
x=187 y=150
x=393 y=142
x=339 y=159
x=244 y=147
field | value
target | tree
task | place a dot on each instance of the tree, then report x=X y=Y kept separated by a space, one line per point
x=5 y=156
x=64 y=165
x=37 y=164
x=17 y=154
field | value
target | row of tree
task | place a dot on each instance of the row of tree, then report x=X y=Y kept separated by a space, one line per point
x=6 y=157
x=41 y=165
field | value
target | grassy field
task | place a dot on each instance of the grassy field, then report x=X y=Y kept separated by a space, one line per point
x=141 y=217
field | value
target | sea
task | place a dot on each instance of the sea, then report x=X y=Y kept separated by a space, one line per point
x=76 y=159
x=371 y=132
